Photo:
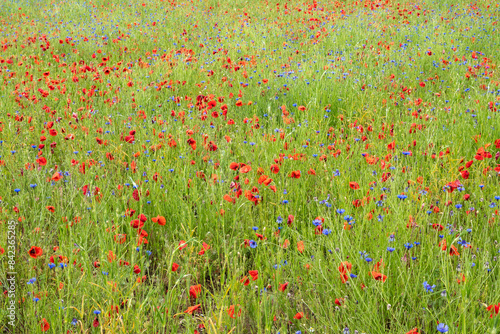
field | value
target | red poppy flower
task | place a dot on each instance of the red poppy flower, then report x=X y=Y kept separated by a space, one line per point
x=300 y=246
x=175 y=266
x=194 y=290
x=160 y=220
x=44 y=325
x=56 y=176
x=137 y=270
x=192 y=143
x=95 y=323
x=344 y=268
x=234 y=165
x=229 y=198
x=245 y=169
x=437 y=227
x=282 y=287
x=111 y=256
x=136 y=223
x=129 y=139
x=191 y=309
x=299 y=315
x=413 y=331
x=354 y=185
x=295 y=174
x=378 y=276
x=275 y=168
x=254 y=274
x=35 y=252
x=142 y=218
x=42 y=161
x=204 y=248
x=454 y=251
x=230 y=311
x=120 y=238
x=494 y=309
x=260 y=236
x=182 y=245
x=262 y=178
x=50 y=208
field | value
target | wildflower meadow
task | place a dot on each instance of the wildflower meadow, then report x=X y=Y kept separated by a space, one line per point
x=249 y=166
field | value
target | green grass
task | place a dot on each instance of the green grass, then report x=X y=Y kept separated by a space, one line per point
x=358 y=71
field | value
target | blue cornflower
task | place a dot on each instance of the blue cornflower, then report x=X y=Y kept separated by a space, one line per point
x=442 y=328
x=253 y=244
x=428 y=287
x=51 y=265
x=327 y=231
x=97 y=312
x=408 y=245
x=340 y=211
x=391 y=249
x=316 y=222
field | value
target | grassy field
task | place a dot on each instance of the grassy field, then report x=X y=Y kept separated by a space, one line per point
x=249 y=166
